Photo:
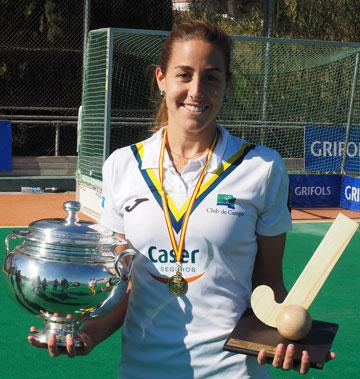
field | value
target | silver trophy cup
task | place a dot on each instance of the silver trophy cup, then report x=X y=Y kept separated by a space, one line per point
x=66 y=271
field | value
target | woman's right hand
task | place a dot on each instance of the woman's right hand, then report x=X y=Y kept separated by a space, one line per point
x=69 y=349
x=93 y=332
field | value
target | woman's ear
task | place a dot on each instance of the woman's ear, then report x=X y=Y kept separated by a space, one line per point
x=160 y=78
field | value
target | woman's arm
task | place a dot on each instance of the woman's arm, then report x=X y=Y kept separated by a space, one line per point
x=100 y=328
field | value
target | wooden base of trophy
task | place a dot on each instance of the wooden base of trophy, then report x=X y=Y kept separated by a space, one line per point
x=251 y=335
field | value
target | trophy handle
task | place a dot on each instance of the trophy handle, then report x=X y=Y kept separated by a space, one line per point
x=12 y=236
x=122 y=267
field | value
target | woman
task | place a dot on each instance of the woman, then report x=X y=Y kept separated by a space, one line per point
x=199 y=205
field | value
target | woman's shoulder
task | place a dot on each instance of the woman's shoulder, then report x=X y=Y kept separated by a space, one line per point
x=128 y=152
x=118 y=156
x=267 y=153
x=260 y=151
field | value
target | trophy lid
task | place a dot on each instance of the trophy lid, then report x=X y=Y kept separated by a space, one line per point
x=71 y=230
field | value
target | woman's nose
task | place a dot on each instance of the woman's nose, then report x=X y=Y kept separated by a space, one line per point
x=196 y=90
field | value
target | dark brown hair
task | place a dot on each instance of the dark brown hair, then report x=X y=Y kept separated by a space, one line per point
x=186 y=31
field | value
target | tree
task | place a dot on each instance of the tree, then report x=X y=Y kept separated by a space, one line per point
x=318 y=19
x=41 y=45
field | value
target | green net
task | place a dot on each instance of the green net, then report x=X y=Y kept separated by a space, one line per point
x=280 y=89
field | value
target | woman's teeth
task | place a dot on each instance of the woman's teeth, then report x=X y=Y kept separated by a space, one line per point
x=193 y=108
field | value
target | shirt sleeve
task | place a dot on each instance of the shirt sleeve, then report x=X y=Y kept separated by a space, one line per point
x=111 y=215
x=275 y=217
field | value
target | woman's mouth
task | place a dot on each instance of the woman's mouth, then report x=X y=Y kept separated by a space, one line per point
x=195 y=108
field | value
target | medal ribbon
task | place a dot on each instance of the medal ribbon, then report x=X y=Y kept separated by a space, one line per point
x=178 y=248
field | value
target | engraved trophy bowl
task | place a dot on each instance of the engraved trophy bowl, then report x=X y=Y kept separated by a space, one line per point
x=66 y=271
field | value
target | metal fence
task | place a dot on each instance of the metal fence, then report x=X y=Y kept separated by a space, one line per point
x=305 y=93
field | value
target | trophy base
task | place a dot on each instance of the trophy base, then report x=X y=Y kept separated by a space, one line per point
x=251 y=335
x=61 y=326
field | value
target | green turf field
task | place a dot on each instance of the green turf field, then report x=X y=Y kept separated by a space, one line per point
x=338 y=302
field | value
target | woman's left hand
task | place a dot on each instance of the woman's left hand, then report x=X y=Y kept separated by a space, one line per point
x=284 y=358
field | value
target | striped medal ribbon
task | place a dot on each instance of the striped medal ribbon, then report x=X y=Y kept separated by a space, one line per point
x=177 y=284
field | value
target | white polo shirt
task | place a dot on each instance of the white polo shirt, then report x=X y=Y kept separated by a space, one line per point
x=244 y=193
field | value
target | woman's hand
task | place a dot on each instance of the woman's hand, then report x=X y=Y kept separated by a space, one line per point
x=93 y=332
x=87 y=343
x=284 y=358
x=69 y=349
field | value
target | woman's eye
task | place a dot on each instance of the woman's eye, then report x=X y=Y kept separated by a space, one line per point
x=212 y=78
x=183 y=75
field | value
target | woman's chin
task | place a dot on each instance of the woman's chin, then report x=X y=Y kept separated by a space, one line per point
x=199 y=127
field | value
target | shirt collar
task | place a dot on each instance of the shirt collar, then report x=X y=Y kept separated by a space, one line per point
x=153 y=145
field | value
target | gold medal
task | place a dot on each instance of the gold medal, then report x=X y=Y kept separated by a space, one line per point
x=177 y=284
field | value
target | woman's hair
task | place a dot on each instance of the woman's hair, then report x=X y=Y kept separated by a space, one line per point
x=187 y=31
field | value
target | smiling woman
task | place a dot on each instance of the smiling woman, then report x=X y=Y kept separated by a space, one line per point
x=194 y=86
x=193 y=275
x=194 y=83
x=193 y=75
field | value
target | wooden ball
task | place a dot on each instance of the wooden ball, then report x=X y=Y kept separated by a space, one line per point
x=294 y=322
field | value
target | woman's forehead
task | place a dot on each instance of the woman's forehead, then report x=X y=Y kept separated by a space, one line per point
x=197 y=51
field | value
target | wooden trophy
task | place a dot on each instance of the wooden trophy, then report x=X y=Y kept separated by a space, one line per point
x=269 y=323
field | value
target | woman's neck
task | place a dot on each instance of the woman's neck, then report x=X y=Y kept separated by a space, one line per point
x=183 y=147
x=189 y=145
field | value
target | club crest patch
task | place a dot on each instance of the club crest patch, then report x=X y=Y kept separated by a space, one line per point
x=226 y=200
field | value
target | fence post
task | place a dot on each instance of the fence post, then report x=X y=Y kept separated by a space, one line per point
x=268 y=19
x=350 y=112
x=108 y=92
x=57 y=139
x=86 y=26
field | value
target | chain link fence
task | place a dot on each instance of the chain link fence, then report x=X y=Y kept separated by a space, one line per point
x=41 y=59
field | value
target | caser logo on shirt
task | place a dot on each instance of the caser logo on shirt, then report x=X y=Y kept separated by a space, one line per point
x=193 y=262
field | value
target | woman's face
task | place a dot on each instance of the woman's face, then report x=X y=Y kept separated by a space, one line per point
x=194 y=85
